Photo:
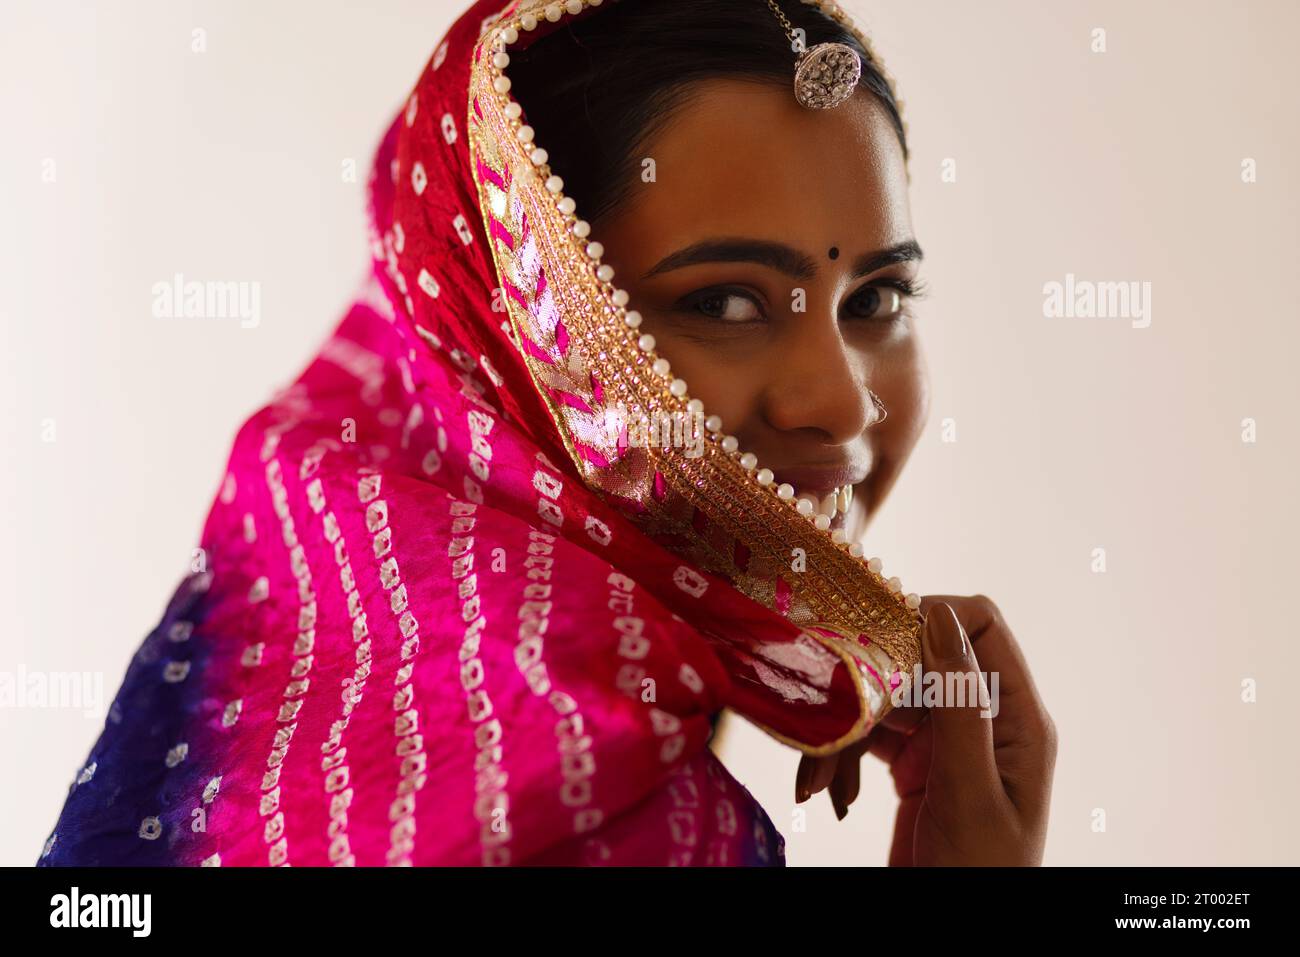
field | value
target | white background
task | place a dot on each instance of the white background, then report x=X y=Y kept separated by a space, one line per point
x=1071 y=434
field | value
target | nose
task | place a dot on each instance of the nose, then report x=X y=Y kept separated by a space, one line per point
x=817 y=382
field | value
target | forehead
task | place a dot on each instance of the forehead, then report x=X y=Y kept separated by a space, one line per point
x=744 y=158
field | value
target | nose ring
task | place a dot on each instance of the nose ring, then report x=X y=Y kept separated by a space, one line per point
x=881 y=412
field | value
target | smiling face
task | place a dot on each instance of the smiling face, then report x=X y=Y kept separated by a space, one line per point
x=773 y=260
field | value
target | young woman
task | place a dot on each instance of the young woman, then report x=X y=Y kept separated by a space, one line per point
x=588 y=462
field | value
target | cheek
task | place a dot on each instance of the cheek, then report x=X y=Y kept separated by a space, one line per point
x=727 y=385
x=903 y=385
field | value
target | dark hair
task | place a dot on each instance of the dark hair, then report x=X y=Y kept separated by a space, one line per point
x=597 y=89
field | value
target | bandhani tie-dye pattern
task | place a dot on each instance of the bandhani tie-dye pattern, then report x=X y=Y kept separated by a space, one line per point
x=413 y=634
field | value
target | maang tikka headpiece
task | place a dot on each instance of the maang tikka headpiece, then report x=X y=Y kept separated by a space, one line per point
x=824 y=76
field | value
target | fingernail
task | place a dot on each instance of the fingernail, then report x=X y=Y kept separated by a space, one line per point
x=801 y=794
x=840 y=810
x=943 y=633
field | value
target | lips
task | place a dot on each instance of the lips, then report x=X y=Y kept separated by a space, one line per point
x=821 y=480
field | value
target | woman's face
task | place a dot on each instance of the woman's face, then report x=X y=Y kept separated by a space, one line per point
x=772 y=258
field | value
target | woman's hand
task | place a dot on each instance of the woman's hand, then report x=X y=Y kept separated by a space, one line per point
x=972 y=789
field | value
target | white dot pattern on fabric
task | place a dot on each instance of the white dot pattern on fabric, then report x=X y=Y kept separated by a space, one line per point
x=232 y=712
x=151 y=828
x=176 y=671
x=462 y=229
x=690 y=581
x=177 y=754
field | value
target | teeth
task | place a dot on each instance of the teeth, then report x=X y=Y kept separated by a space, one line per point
x=836 y=502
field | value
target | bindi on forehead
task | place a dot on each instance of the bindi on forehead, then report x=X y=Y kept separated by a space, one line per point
x=833 y=252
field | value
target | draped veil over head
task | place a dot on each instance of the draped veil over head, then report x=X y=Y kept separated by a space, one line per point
x=442 y=613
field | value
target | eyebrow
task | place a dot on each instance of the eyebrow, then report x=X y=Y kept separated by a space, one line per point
x=778 y=256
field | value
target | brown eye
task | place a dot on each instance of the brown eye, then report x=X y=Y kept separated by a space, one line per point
x=875 y=302
x=726 y=306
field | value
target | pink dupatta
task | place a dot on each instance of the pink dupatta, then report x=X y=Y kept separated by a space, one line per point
x=429 y=624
